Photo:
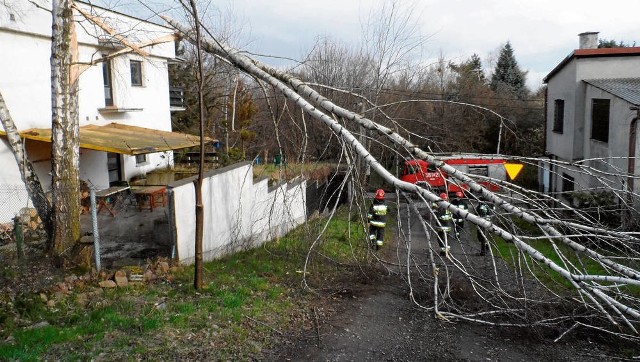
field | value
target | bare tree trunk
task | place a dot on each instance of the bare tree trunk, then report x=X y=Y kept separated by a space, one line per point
x=197 y=282
x=65 y=132
x=29 y=177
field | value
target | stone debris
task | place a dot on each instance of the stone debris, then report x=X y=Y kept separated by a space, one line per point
x=107 y=284
x=120 y=277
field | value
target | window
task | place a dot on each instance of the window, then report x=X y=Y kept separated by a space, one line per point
x=106 y=76
x=567 y=183
x=558 y=115
x=136 y=73
x=600 y=119
x=479 y=170
x=140 y=159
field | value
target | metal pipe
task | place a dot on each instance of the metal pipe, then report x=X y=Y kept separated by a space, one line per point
x=17 y=229
x=96 y=234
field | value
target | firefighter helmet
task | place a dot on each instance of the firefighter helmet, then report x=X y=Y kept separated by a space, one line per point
x=444 y=196
x=380 y=194
x=459 y=194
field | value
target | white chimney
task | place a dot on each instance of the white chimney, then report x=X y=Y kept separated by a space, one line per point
x=588 y=40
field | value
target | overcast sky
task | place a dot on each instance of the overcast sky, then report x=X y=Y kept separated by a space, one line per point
x=542 y=32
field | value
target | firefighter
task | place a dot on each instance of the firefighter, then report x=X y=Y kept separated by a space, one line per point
x=485 y=211
x=458 y=221
x=443 y=225
x=377 y=219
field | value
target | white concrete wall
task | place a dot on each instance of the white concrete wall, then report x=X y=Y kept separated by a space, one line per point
x=238 y=213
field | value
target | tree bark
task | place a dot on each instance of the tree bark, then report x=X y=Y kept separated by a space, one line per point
x=197 y=282
x=28 y=174
x=65 y=132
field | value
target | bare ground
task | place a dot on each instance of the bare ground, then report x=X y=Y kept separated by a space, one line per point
x=375 y=320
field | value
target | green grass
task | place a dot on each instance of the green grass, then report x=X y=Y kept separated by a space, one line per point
x=246 y=297
x=508 y=252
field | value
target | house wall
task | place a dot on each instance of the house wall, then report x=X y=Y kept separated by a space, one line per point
x=617 y=149
x=25 y=83
x=567 y=84
x=238 y=213
x=575 y=143
x=562 y=86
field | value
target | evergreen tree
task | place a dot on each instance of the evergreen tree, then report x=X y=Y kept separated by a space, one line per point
x=470 y=71
x=606 y=43
x=507 y=76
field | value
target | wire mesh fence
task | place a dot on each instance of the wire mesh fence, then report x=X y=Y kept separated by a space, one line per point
x=15 y=203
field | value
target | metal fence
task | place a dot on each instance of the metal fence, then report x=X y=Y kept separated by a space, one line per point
x=15 y=202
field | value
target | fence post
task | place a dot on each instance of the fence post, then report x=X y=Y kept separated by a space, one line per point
x=17 y=230
x=96 y=235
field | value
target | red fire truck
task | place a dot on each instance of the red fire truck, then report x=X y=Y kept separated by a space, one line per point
x=426 y=173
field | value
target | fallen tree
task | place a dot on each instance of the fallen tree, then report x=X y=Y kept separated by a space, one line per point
x=608 y=292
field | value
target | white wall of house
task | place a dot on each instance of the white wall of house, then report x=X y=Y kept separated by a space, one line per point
x=575 y=143
x=238 y=213
x=562 y=86
x=617 y=148
x=25 y=48
x=567 y=84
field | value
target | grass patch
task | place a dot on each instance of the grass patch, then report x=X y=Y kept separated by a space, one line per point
x=552 y=249
x=247 y=296
x=311 y=171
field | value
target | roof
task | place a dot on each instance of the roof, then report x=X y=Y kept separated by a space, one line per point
x=123 y=139
x=589 y=53
x=625 y=88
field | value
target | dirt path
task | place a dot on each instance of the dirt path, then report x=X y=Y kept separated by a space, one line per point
x=378 y=322
x=382 y=324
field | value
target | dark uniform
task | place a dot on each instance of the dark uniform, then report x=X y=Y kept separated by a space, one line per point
x=443 y=224
x=377 y=217
x=458 y=221
x=485 y=211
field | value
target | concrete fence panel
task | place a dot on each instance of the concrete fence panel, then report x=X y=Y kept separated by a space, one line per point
x=238 y=212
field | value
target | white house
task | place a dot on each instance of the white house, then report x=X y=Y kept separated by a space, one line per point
x=124 y=101
x=591 y=112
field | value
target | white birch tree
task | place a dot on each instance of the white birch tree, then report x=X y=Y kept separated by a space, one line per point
x=65 y=146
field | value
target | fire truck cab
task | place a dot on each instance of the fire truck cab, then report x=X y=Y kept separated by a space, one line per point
x=426 y=174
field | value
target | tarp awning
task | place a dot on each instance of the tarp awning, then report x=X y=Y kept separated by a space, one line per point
x=123 y=139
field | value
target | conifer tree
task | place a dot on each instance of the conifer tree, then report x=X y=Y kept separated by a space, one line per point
x=507 y=76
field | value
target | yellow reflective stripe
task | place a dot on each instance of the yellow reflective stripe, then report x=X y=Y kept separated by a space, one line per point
x=379 y=224
x=380 y=209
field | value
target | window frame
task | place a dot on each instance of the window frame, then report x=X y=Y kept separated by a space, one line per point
x=558 y=116
x=600 y=123
x=141 y=159
x=107 y=80
x=136 y=75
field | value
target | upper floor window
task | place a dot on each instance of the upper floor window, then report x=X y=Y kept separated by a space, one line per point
x=136 y=72
x=600 y=119
x=108 y=87
x=558 y=115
